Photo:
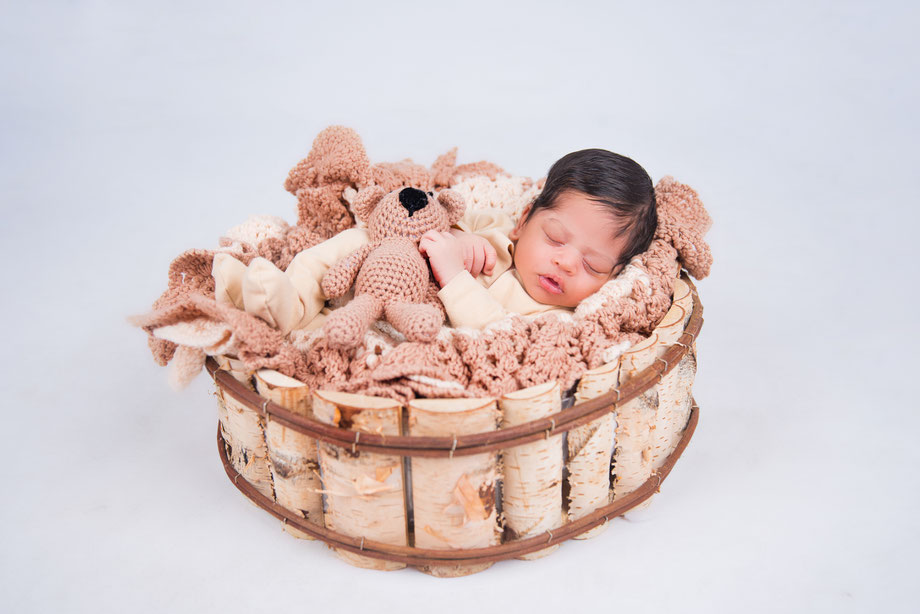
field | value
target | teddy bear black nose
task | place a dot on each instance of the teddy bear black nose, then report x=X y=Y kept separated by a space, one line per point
x=413 y=200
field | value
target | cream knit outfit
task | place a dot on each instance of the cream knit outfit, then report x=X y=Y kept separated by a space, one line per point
x=293 y=299
x=475 y=303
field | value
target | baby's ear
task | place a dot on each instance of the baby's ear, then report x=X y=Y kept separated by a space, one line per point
x=366 y=200
x=454 y=204
x=515 y=233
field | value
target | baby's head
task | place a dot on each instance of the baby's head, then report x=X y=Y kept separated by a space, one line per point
x=595 y=213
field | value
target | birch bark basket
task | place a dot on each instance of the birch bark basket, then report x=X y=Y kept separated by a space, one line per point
x=453 y=499
x=532 y=488
x=590 y=448
x=292 y=455
x=364 y=491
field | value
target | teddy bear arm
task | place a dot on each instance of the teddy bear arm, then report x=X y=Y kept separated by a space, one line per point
x=341 y=276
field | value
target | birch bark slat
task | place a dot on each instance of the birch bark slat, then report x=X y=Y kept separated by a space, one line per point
x=237 y=369
x=365 y=494
x=532 y=489
x=683 y=297
x=244 y=434
x=292 y=455
x=683 y=375
x=647 y=425
x=634 y=420
x=590 y=449
x=454 y=498
x=671 y=394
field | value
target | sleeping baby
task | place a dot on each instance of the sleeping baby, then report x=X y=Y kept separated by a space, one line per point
x=595 y=213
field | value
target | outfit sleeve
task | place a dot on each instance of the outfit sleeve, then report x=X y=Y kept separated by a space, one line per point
x=495 y=227
x=468 y=303
x=308 y=267
x=285 y=299
x=228 y=275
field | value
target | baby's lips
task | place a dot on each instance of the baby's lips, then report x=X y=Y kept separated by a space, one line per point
x=551 y=284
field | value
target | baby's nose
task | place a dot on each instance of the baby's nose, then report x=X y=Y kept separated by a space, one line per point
x=565 y=259
x=412 y=199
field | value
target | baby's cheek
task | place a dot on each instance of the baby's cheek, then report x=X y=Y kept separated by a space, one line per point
x=595 y=285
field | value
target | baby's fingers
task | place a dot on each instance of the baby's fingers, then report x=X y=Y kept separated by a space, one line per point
x=426 y=243
x=431 y=236
x=491 y=256
x=478 y=260
x=466 y=252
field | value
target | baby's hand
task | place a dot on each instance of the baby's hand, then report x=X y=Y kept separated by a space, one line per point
x=478 y=254
x=451 y=252
x=444 y=253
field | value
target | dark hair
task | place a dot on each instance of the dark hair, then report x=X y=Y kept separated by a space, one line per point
x=612 y=180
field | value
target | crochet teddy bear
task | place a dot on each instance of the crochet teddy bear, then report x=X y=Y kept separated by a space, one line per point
x=393 y=279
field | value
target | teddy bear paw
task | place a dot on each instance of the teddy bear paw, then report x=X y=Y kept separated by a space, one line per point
x=342 y=334
x=416 y=322
x=334 y=285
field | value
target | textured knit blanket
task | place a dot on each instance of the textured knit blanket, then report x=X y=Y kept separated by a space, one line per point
x=187 y=324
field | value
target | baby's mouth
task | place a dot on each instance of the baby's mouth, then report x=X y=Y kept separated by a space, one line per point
x=550 y=284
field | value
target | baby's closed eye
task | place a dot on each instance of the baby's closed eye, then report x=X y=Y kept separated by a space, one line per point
x=596 y=269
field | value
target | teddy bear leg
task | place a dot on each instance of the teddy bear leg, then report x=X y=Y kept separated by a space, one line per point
x=345 y=327
x=417 y=322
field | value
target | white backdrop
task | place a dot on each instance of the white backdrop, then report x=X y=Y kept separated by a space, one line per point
x=130 y=133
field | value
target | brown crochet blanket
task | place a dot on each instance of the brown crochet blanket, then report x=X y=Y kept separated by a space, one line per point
x=187 y=324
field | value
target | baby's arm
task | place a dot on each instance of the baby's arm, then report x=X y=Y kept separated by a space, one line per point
x=291 y=299
x=453 y=259
x=469 y=304
x=493 y=226
x=308 y=267
x=228 y=273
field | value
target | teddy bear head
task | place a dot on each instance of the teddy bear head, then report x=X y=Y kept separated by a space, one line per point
x=407 y=212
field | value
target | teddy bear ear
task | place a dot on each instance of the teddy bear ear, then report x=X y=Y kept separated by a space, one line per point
x=337 y=155
x=454 y=203
x=683 y=222
x=443 y=168
x=366 y=200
